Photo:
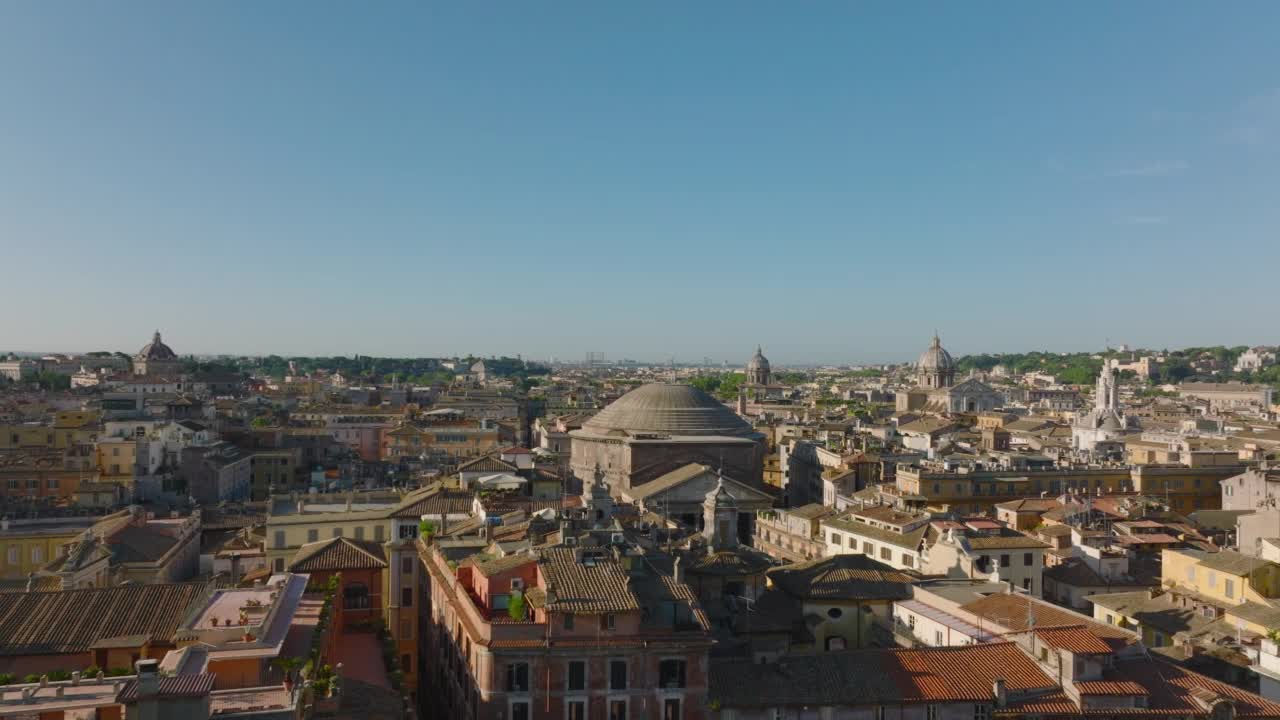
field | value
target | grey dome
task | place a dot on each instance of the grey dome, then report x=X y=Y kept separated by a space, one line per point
x=671 y=409
x=935 y=358
x=156 y=350
x=758 y=361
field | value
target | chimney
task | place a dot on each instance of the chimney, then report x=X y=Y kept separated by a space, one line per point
x=998 y=692
x=677 y=572
x=4 y=524
x=148 y=677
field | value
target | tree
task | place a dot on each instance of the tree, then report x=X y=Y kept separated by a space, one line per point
x=515 y=608
x=53 y=381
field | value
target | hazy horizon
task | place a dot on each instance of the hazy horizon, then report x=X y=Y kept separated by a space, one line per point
x=833 y=181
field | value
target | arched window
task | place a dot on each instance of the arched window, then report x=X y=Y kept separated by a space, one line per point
x=355 y=596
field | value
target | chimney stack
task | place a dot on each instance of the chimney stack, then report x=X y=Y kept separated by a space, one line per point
x=999 y=693
x=148 y=677
x=677 y=572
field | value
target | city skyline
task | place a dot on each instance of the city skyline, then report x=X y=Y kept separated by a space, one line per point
x=832 y=183
x=779 y=356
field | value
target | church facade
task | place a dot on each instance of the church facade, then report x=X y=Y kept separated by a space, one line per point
x=1100 y=429
x=937 y=391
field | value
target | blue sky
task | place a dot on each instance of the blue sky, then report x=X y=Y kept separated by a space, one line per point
x=832 y=180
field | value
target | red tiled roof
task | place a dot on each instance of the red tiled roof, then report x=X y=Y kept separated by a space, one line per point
x=867 y=677
x=183 y=686
x=1010 y=610
x=1171 y=689
x=338 y=553
x=1074 y=638
x=1109 y=687
x=68 y=621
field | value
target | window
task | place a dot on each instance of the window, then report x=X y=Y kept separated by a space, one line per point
x=937 y=638
x=868 y=548
x=908 y=560
x=13 y=555
x=671 y=709
x=279 y=539
x=835 y=538
x=406 y=597
x=1228 y=587
x=520 y=710
x=313 y=535
x=1027 y=559
x=1213 y=579
x=52 y=484
x=671 y=673
x=886 y=552
x=568 y=621
x=1004 y=560
x=37 y=554
x=981 y=712
x=379 y=533
x=576 y=710
x=1157 y=639
x=1191 y=570
x=576 y=676
x=930 y=712
x=1111 y=619
x=406 y=565
x=853 y=542
x=617 y=710
x=608 y=622
x=1027 y=585
x=337 y=532
x=279 y=565
x=408 y=532
x=518 y=677
x=355 y=597
x=617 y=674
x=360 y=532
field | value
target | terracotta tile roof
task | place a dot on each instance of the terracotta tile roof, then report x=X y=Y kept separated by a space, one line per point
x=1109 y=687
x=1074 y=639
x=434 y=504
x=1009 y=610
x=1054 y=703
x=339 y=553
x=1172 y=689
x=602 y=587
x=69 y=621
x=869 y=677
x=488 y=463
x=183 y=686
x=842 y=577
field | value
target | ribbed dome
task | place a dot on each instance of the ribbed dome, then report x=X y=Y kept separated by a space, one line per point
x=758 y=361
x=156 y=350
x=935 y=358
x=670 y=409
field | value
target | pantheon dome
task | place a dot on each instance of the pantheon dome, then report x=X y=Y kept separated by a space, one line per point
x=669 y=409
x=659 y=427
